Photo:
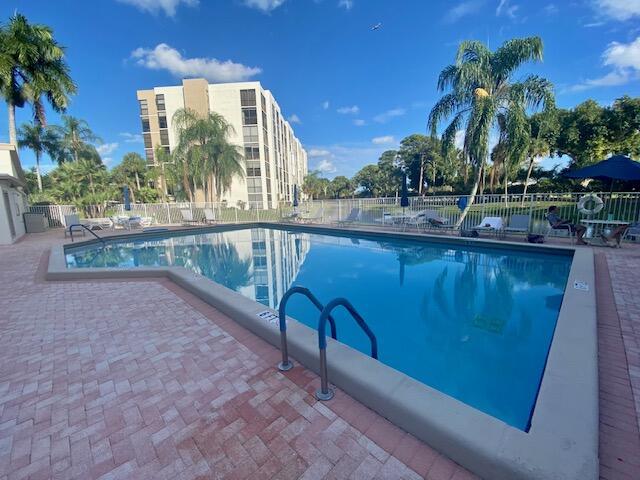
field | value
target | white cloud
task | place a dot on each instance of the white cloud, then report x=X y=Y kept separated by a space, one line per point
x=389 y=114
x=347 y=158
x=462 y=9
x=459 y=139
x=325 y=105
x=358 y=122
x=107 y=148
x=346 y=4
x=318 y=152
x=131 y=137
x=624 y=58
x=353 y=110
x=551 y=9
x=506 y=8
x=264 y=5
x=619 y=9
x=386 y=139
x=164 y=57
x=168 y=7
x=294 y=119
x=325 y=166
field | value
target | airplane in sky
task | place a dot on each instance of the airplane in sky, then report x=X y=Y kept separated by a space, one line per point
x=377 y=26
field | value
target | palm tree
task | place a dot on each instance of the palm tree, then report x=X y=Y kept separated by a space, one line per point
x=479 y=89
x=40 y=140
x=131 y=172
x=76 y=138
x=32 y=66
x=203 y=154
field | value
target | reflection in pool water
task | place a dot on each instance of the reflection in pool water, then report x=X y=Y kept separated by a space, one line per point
x=474 y=323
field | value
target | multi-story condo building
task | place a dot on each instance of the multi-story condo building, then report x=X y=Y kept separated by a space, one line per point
x=274 y=158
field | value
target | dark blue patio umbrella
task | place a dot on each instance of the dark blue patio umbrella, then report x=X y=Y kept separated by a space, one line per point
x=618 y=167
x=127 y=199
x=404 y=198
x=295 y=196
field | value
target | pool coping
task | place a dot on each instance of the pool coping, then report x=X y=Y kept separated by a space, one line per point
x=562 y=442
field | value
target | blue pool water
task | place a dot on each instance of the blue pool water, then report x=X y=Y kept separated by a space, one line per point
x=474 y=323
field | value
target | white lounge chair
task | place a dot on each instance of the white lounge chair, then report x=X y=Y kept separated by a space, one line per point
x=209 y=216
x=354 y=216
x=99 y=223
x=518 y=224
x=72 y=222
x=490 y=224
x=187 y=217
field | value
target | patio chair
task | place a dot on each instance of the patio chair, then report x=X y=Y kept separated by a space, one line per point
x=490 y=224
x=139 y=222
x=560 y=231
x=100 y=223
x=353 y=217
x=315 y=217
x=294 y=216
x=209 y=216
x=187 y=217
x=70 y=221
x=518 y=224
x=633 y=232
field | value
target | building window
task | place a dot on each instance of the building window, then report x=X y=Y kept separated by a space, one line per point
x=166 y=149
x=144 y=107
x=263 y=102
x=160 y=103
x=253 y=169
x=147 y=140
x=162 y=120
x=149 y=154
x=145 y=125
x=252 y=153
x=250 y=134
x=254 y=186
x=248 y=98
x=164 y=137
x=249 y=116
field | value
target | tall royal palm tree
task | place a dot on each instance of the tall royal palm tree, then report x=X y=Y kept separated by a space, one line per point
x=76 y=139
x=204 y=155
x=40 y=140
x=479 y=88
x=32 y=66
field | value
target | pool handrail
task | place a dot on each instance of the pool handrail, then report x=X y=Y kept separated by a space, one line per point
x=325 y=393
x=287 y=364
x=87 y=229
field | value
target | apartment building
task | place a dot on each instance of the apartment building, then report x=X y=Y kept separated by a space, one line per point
x=274 y=158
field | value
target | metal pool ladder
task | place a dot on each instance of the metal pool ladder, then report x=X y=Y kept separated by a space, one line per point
x=87 y=229
x=287 y=364
x=324 y=393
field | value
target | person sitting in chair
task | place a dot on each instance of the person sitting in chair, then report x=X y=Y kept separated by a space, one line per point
x=558 y=224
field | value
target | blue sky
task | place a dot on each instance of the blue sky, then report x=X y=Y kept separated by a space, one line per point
x=350 y=92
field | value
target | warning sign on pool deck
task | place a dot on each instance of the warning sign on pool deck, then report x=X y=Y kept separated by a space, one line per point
x=584 y=286
x=268 y=316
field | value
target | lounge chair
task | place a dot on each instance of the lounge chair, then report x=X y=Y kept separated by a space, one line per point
x=559 y=231
x=353 y=217
x=72 y=222
x=490 y=224
x=315 y=217
x=518 y=224
x=99 y=223
x=633 y=232
x=187 y=217
x=139 y=222
x=209 y=216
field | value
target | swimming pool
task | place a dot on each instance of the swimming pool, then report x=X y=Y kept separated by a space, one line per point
x=473 y=322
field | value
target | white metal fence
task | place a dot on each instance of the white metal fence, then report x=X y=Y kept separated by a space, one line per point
x=372 y=211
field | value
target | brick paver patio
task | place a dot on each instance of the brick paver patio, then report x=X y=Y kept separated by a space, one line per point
x=139 y=379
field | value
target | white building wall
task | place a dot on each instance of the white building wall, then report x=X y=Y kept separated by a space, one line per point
x=13 y=199
x=287 y=158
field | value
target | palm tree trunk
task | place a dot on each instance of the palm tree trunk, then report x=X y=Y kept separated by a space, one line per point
x=421 y=179
x=492 y=178
x=472 y=197
x=13 y=136
x=38 y=172
x=75 y=147
x=506 y=189
x=526 y=182
x=137 y=181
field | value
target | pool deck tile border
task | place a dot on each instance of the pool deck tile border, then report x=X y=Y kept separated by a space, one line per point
x=563 y=440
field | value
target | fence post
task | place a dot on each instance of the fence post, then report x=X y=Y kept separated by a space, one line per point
x=257 y=213
x=60 y=217
x=168 y=214
x=236 y=212
x=339 y=209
